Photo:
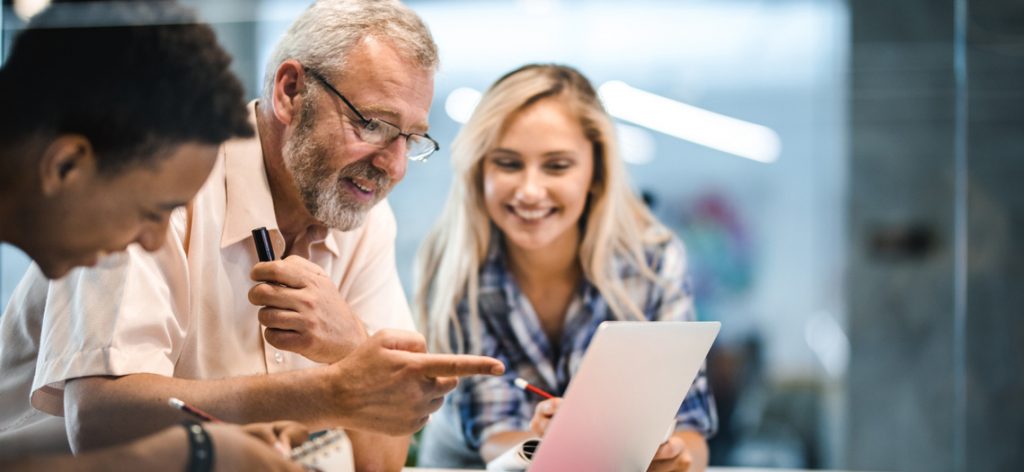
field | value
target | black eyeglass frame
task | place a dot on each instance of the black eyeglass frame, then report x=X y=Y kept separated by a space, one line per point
x=364 y=121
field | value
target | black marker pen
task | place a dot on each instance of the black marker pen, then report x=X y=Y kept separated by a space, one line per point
x=264 y=250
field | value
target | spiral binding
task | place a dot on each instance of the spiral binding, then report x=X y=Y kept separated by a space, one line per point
x=314 y=452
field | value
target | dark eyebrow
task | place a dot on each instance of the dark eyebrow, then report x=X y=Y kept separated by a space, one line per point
x=169 y=206
x=560 y=154
x=503 y=151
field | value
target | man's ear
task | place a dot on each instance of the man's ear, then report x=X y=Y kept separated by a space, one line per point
x=67 y=160
x=289 y=91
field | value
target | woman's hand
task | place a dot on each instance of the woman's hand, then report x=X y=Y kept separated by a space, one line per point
x=543 y=414
x=672 y=456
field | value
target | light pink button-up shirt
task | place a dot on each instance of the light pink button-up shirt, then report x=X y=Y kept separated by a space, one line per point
x=183 y=311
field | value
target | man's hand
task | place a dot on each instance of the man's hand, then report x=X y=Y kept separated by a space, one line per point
x=283 y=435
x=303 y=311
x=258 y=447
x=389 y=384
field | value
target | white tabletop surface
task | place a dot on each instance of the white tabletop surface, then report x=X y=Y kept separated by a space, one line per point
x=710 y=469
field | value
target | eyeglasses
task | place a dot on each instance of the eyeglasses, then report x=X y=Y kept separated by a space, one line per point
x=381 y=133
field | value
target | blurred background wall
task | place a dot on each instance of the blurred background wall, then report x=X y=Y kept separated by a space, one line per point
x=845 y=175
x=934 y=298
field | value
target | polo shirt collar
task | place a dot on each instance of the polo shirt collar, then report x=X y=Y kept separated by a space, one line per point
x=250 y=203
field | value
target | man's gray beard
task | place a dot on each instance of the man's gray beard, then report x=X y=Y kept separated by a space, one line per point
x=320 y=190
x=330 y=209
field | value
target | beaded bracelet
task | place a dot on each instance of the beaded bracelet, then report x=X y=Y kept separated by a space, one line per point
x=200 y=447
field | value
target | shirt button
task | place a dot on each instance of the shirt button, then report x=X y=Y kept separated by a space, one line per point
x=278 y=357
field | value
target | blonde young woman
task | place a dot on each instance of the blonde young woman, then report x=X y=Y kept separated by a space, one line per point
x=540 y=241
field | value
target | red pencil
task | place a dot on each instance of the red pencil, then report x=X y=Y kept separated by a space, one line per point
x=526 y=386
x=200 y=414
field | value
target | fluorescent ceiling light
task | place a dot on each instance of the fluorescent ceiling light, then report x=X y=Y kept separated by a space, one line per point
x=460 y=104
x=687 y=122
x=707 y=128
x=26 y=9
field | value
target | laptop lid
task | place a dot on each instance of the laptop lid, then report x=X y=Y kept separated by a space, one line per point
x=619 y=405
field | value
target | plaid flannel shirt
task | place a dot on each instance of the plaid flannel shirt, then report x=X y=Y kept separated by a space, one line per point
x=511 y=332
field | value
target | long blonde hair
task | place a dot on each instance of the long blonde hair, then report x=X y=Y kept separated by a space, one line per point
x=618 y=224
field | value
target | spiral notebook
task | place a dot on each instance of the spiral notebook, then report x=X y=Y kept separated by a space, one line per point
x=515 y=459
x=330 y=451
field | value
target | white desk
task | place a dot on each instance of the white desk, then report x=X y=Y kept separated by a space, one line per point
x=710 y=469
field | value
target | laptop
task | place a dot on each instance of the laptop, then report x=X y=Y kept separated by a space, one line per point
x=625 y=396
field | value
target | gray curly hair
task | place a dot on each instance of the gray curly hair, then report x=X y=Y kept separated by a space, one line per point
x=323 y=35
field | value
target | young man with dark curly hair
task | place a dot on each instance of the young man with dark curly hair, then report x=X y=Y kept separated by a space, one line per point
x=112 y=116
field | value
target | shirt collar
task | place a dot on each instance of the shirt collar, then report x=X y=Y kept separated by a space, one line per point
x=320 y=234
x=249 y=202
x=493 y=274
